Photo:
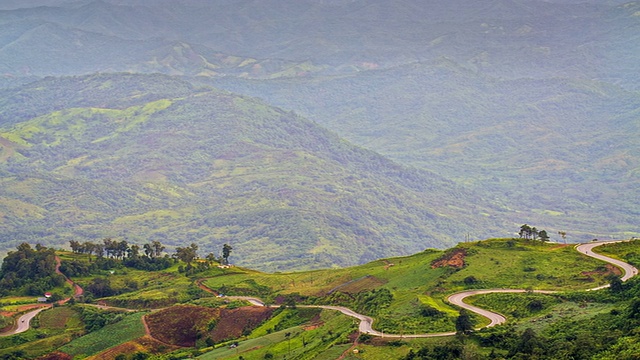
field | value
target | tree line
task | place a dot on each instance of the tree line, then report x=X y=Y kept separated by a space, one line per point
x=151 y=256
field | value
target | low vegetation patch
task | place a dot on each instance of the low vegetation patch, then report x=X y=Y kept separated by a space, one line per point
x=5 y=322
x=129 y=328
x=516 y=306
x=59 y=318
x=139 y=348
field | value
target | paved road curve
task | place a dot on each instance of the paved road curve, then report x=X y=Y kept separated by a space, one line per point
x=24 y=321
x=628 y=269
x=587 y=249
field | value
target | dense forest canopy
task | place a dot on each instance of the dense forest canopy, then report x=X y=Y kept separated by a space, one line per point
x=29 y=271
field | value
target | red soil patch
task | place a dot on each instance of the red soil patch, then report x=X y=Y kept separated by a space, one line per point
x=314 y=323
x=610 y=270
x=453 y=258
x=234 y=323
x=179 y=325
x=30 y=307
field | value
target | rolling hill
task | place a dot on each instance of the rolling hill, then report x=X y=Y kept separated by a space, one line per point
x=145 y=157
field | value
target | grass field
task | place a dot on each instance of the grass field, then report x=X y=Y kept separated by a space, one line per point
x=329 y=329
x=60 y=318
x=129 y=328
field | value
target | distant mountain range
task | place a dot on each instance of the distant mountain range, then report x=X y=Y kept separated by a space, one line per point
x=493 y=113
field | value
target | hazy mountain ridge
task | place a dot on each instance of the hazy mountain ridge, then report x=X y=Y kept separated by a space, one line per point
x=502 y=38
x=550 y=145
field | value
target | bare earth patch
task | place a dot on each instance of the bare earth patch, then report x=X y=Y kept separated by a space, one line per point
x=610 y=270
x=233 y=323
x=454 y=258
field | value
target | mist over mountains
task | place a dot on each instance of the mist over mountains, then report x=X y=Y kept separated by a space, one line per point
x=429 y=122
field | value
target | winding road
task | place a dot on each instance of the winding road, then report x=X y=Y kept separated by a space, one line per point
x=366 y=322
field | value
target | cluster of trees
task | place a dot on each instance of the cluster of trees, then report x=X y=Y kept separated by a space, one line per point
x=117 y=249
x=149 y=257
x=29 y=271
x=531 y=233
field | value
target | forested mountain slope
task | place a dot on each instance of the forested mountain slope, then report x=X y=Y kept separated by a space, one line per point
x=562 y=150
x=145 y=157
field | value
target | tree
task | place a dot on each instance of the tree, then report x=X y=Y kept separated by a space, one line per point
x=464 y=324
x=211 y=257
x=158 y=248
x=121 y=248
x=89 y=248
x=525 y=231
x=110 y=246
x=100 y=287
x=563 y=234
x=226 y=252
x=75 y=246
x=544 y=237
x=99 y=250
x=615 y=284
x=187 y=254
x=148 y=250
x=528 y=344
x=134 y=251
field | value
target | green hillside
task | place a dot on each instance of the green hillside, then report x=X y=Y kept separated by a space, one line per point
x=199 y=165
x=405 y=295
